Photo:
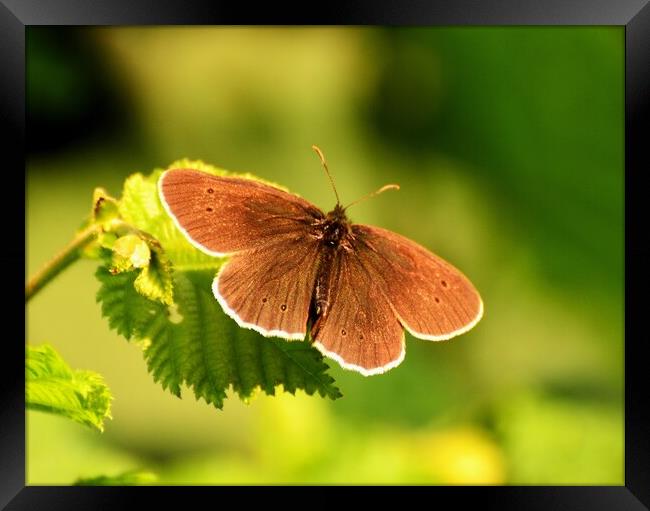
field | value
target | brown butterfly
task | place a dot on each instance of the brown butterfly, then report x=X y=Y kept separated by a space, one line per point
x=293 y=268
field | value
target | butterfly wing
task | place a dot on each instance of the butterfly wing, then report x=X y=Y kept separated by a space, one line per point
x=268 y=282
x=432 y=299
x=359 y=328
x=381 y=283
x=223 y=215
x=269 y=289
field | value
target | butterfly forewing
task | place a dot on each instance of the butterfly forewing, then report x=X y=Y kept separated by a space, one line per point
x=222 y=215
x=431 y=298
x=360 y=329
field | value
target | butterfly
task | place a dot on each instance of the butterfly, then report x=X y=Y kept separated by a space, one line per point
x=293 y=269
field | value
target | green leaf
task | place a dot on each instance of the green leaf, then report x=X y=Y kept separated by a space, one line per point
x=53 y=387
x=128 y=312
x=192 y=342
x=133 y=477
x=199 y=346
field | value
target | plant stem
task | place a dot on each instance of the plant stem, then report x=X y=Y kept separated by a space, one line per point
x=60 y=262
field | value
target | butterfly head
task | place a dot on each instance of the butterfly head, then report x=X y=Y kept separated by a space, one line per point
x=335 y=227
x=337 y=214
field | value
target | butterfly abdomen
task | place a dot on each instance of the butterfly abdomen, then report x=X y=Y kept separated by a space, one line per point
x=322 y=288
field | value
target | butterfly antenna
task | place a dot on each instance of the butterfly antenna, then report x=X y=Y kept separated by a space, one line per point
x=322 y=160
x=376 y=192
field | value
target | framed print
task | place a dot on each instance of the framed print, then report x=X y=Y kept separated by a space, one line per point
x=366 y=246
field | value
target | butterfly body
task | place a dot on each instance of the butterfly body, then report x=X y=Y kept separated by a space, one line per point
x=333 y=232
x=294 y=270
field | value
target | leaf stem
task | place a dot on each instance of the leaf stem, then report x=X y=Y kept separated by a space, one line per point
x=61 y=261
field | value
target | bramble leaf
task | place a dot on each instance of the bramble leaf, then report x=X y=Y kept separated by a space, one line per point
x=128 y=312
x=190 y=340
x=53 y=387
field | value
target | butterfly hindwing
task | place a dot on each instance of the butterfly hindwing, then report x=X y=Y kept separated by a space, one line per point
x=359 y=328
x=270 y=289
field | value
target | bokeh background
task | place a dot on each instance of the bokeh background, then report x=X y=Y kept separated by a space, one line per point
x=508 y=146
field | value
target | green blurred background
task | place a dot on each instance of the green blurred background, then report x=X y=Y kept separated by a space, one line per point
x=508 y=146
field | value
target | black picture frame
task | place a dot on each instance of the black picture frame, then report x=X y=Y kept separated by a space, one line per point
x=634 y=15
